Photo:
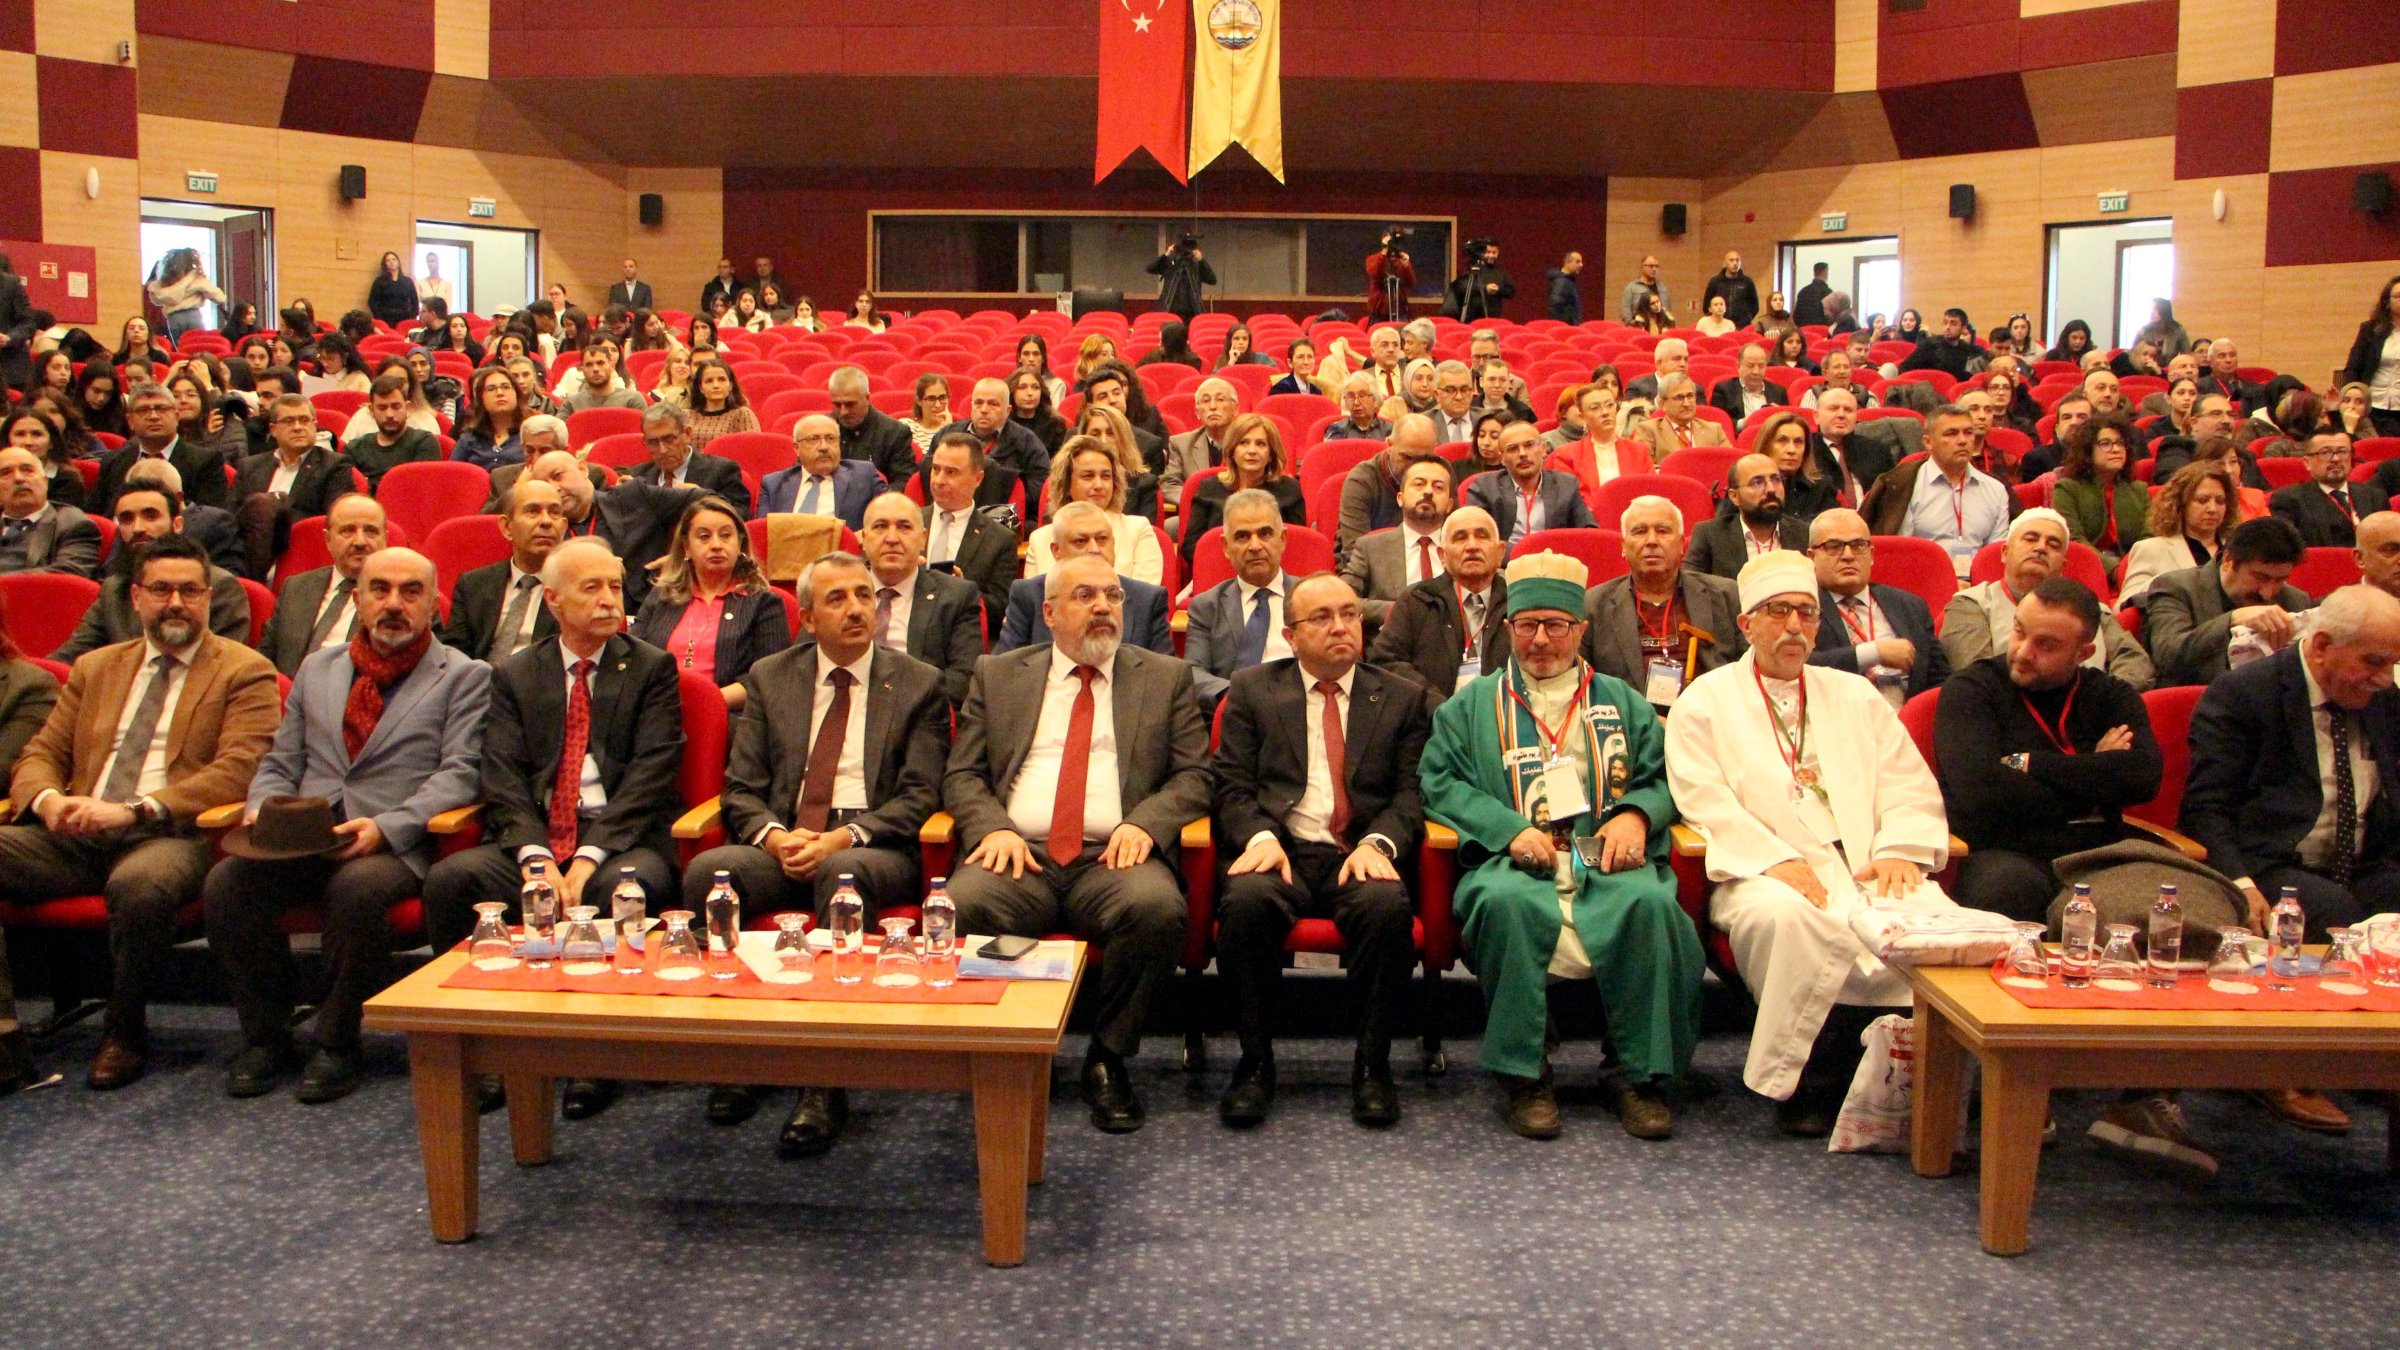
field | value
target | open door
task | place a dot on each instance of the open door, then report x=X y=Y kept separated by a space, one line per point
x=246 y=260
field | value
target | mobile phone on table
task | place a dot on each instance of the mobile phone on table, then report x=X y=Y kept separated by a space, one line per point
x=1006 y=948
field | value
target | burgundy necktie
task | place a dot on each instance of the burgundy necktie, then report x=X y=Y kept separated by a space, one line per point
x=1074 y=765
x=566 y=793
x=1335 y=760
x=1424 y=557
x=825 y=757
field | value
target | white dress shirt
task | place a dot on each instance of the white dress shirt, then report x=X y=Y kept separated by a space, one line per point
x=1035 y=793
x=1312 y=816
x=824 y=505
x=1417 y=558
x=285 y=472
x=2316 y=847
x=947 y=528
x=1450 y=430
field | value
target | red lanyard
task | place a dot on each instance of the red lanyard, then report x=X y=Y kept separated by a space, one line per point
x=1866 y=634
x=2057 y=737
x=1680 y=434
x=1666 y=622
x=1787 y=744
x=1958 y=504
x=1557 y=740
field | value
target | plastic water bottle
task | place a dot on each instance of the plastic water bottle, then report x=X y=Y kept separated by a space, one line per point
x=2079 y=925
x=2283 y=951
x=940 y=921
x=628 y=908
x=848 y=916
x=537 y=903
x=724 y=927
x=2166 y=938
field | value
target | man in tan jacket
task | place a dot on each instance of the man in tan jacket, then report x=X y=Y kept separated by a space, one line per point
x=1679 y=425
x=148 y=734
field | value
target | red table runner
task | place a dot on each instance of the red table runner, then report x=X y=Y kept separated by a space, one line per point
x=2193 y=993
x=745 y=984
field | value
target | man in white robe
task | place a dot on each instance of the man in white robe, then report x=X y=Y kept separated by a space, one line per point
x=1814 y=800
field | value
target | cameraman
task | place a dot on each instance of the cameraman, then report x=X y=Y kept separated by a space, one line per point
x=1387 y=262
x=1182 y=271
x=1483 y=292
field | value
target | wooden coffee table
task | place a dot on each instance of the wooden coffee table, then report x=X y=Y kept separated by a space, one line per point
x=1000 y=1053
x=2025 y=1052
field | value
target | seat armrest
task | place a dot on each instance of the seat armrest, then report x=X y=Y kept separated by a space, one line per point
x=221 y=817
x=456 y=820
x=937 y=829
x=2184 y=844
x=698 y=821
x=1689 y=843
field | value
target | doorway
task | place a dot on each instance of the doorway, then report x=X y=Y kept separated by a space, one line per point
x=478 y=269
x=236 y=245
x=1867 y=269
x=2106 y=273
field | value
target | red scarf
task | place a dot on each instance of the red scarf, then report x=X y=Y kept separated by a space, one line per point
x=376 y=673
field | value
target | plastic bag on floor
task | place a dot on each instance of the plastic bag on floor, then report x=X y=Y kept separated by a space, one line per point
x=1875 y=1115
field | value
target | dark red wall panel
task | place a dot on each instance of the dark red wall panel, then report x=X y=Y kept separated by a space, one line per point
x=20 y=194
x=87 y=108
x=374 y=32
x=2113 y=33
x=2223 y=129
x=2312 y=218
x=1960 y=117
x=2312 y=35
x=350 y=98
x=16 y=25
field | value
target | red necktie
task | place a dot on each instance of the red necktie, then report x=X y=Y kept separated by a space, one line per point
x=825 y=757
x=1074 y=765
x=1424 y=557
x=566 y=794
x=1335 y=768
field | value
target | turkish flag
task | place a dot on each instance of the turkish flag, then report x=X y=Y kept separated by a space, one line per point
x=1145 y=61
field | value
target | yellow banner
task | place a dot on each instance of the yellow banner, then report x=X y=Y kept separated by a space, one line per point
x=1237 y=81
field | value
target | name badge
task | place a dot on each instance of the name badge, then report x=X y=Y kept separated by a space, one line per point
x=1468 y=673
x=1561 y=788
x=1663 y=682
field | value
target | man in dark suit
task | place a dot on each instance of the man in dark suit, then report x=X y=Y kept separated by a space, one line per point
x=304 y=474
x=1240 y=621
x=1741 y=397
x=934 y=617
x=1082 y=529
x=320 y=607
x=497 y=609
x=868 y=432
x=632 y=292
x=1661 y=625
x=2197 y=615
x=145 y=515
x=1317 y=801
x=2224 y=376
x=150 y=415
x=1077 y=766
x=666 y=427
x=1882 y=632
x=1452 y=629
x=1852 y=461
x=809 y=801
x=1557 y=502
x=16 y=328
x=820 y=482
x=960 y=538
x=34 y=535
x=1383 y=564
x=2325 y=510
x=1003 y=441
x=580 y=754
x=1722 y=545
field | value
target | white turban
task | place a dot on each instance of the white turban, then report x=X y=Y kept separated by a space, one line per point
x=2041 y=513
x=1782 y=572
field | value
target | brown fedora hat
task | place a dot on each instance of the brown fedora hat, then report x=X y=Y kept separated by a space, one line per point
x=287 y=827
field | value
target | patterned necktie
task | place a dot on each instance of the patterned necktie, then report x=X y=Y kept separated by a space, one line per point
x=943 y=549
x=512 y=620
x=1074 y=766
x=133 y=748
x=808 y=504
x=1424 y=557
x=825 y=756
x=1254 y=633
x=566 y=791
x=17 y=529
x=883 y=619
x=1474 y=626
x=2344 y=857
x=334 y=605
x=1336 y=763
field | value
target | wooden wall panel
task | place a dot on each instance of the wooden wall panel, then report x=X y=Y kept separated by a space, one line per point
x=678 y=256
x=2338 y=117
x=109 y=224
x=1854 y=29
x=1633 y=209
x=2034 y=9
x=2221 y=40
x=2309 y=315
x=462 y=38
x=20 y=118
x=84 y=30
x=2220 y=266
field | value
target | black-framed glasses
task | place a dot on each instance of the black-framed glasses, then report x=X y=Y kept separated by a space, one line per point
x=1553 y=629
x=1783 y=611
x=1835 y=548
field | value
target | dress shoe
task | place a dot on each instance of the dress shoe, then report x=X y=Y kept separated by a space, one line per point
x=1639 y=1108
x=1373 y=1099
x=1109 y=1092
x=2308 y=1109
x=259 y=1068
x=1246 y=1101
x=490 y=1093
x=815 y=1124
x=587 y=1097
x=2151 y=1129
x=120 y=1062
x=16 y=1062
x=731 y=1105
x=330 y=1076
x=1806 y=1114
x=1532 y=1109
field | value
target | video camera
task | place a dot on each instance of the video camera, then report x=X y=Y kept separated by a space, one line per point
x=1394 y=238
x=1186 y=246
x=1475 y=249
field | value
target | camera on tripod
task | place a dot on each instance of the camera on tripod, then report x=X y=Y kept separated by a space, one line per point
x=1185 y=247
x=1394 y=239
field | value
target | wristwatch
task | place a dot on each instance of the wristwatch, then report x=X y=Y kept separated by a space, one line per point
x=2020 y=761
x=858 y=837
x=1383 y=846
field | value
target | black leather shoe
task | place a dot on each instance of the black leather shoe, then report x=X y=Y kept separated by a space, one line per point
x=588 y=1097
x=1109 y=1092
x=815 y=1124
x=1373 y=1099
x=1251 y=1093
x=1805 y=1115
x=490 y=1093
x=330 y=1076
x=257 y=1070
x=16 y=1062
x=731 y=1105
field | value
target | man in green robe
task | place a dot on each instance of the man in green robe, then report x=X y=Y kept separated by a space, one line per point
x=1554 y=776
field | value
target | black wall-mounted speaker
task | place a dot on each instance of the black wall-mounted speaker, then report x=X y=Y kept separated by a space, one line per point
x=354 y=182
x=654 y=208
x=1672 y=219
x=1962 y=201
x=2373 y=192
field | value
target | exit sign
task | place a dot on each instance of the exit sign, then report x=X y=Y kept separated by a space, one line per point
x=2114 y=201
x=1834 y=221
x=482 y=206
x=200 y=182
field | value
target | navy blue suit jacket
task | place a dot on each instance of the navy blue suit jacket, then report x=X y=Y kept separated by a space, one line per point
x=1145 y=617
x=855 y=484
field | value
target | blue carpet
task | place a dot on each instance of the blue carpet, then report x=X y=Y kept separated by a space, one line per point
x=168 y=1215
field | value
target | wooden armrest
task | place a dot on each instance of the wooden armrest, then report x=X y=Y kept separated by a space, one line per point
x=1958 y=848
x=1438 y=835
x=937 y=829
x=1689 y=843
x=2184 y=844
x=1180 y=621
x=456 y=820
x=221 y=817
x=700 y=819
x=1196 y=834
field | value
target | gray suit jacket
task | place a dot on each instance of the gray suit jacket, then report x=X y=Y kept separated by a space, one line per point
x=1162 y=744
x=2190 y=621
x=1187 y=454
x=1718 y=550
x=63 y=540
x=1612 y=642
x=1379 y=572
x=1562 y=501
x=425 y=757
x=286 y=640
x=945 y=629
x=1213 y=641
x=907 y=738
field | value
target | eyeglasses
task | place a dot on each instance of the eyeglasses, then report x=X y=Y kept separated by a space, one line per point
x=1085 y=595
x=1782 y=611
x=655 y=442
x=162 y=592
x=1348 y=614
x=1553 y=629
x=2329 y=452
x=297 y=421
x=1835 y=548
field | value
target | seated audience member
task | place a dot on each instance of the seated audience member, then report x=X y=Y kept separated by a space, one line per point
x=1521 y=495
x=153 y=729
x=533 y=399
x=542 y=434
x=1361 y=420
x=1087 y=469
x=145 y=516
x=1385 y=563
x=811 y=798
x=387 y=726
x=2203 y=622
x=674 y=463
x=1949 y=351
x=45 y=427
x=1662 y=624
x=1837 y=369
x=1943 y=497
x=1600 y=453
x=1453 y=410
x=35 y=534
x=868 y=433
x=1003 y=441
x=390 y=440
x=711 y=609
x=2224 y=377
x=2212 y=418
x=1304 y=375
x=594 y=383
x=1080 y=529
x=1441 y=632
x=1317 y=801
x=496 y=609
x=1255 y=462
x=1882 y=632
x=1193 y=453
x=2105 y=506
x=294 y=478
x=1723 y=544
x=1240 y=622
x=1383 y=369
x=1678 y=424
x=2351 y=413
x=217 y=532
x=820 y=482
x=1499 y=390
x=150 y=414
x=1672 y=356
x=716 y=404
x=2378 y=552
x=1715 y=322
x=490 y=421
x=1534 y=911
x=1077 y=765
x=2325 y=509
x=580 y=752
x=1813 y=799
x=931 y=615
x=1109 y=426
x=322 y=607
x=2190 y=515
x=1809 y=485
x=1742 y=396
x=1371 y=490
x=1977 y=621
x=1112 y=385
x=960 y=537
x=1850 y=463
x=1981 y=411
x=929 y=412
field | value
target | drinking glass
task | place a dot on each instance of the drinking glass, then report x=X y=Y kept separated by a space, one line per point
x=2121 y=970
x=2344 y=969
x=2229 y=966
x=678 y=952
x=491 y=948
x=2027 y=964
x=581 y=950
x=897 y=965
x=795 y=963
x=2383 y=941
